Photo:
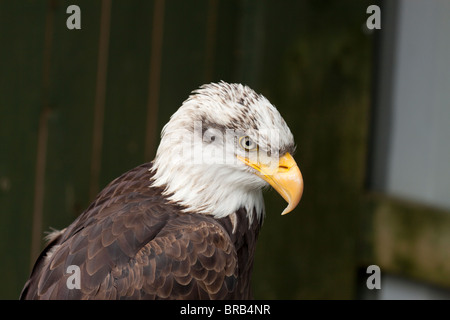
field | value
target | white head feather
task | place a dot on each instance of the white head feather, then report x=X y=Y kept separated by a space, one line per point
x=196 y=160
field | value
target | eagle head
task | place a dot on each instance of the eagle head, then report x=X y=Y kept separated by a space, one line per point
x=221 y=148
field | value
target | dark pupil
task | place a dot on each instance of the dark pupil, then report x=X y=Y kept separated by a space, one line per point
x=247 y=143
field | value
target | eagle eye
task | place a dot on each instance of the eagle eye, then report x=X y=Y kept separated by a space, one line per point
x=247 y=144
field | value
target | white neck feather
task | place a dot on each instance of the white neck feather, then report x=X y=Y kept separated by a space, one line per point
x=209 y=189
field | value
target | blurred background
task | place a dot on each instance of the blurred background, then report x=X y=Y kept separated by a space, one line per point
x=369 y=109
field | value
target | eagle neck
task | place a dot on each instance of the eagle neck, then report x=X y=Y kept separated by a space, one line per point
x=210 y=191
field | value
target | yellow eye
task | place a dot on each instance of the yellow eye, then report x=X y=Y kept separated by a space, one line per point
x=247 y=144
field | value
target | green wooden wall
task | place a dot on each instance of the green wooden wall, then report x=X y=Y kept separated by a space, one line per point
x=79 y=107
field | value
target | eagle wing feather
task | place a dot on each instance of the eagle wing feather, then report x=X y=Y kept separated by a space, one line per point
x=135 y=245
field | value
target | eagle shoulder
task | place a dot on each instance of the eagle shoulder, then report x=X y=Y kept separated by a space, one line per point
x=132 y=243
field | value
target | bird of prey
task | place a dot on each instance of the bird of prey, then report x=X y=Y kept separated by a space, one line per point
x=185 y=225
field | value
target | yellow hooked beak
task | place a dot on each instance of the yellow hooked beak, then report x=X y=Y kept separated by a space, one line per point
x=285 y=178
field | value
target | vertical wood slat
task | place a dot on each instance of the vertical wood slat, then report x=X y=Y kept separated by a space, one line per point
x=221 y=52
x=154 y=79
x=251 y=42
x=72 y=94
x=183 y=61
x=39 y=185
x=99 y=105
x=42 y=136
x=211 y=36
x=127 y=88
x=20 y=109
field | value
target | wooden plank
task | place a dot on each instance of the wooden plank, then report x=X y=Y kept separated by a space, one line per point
x=183 y=63
x=224 y=51
x=22 y=25
x=72 y=86
x=127 y=84
x=154 y=80
x=250 y=42
x=100 y=95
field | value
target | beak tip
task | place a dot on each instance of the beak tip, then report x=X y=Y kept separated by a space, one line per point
x=293 y=202
x=289 y=208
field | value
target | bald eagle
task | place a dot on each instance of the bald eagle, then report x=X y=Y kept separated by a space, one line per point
x=185 y=225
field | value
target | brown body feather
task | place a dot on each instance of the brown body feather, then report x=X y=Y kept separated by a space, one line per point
x=131 y=243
